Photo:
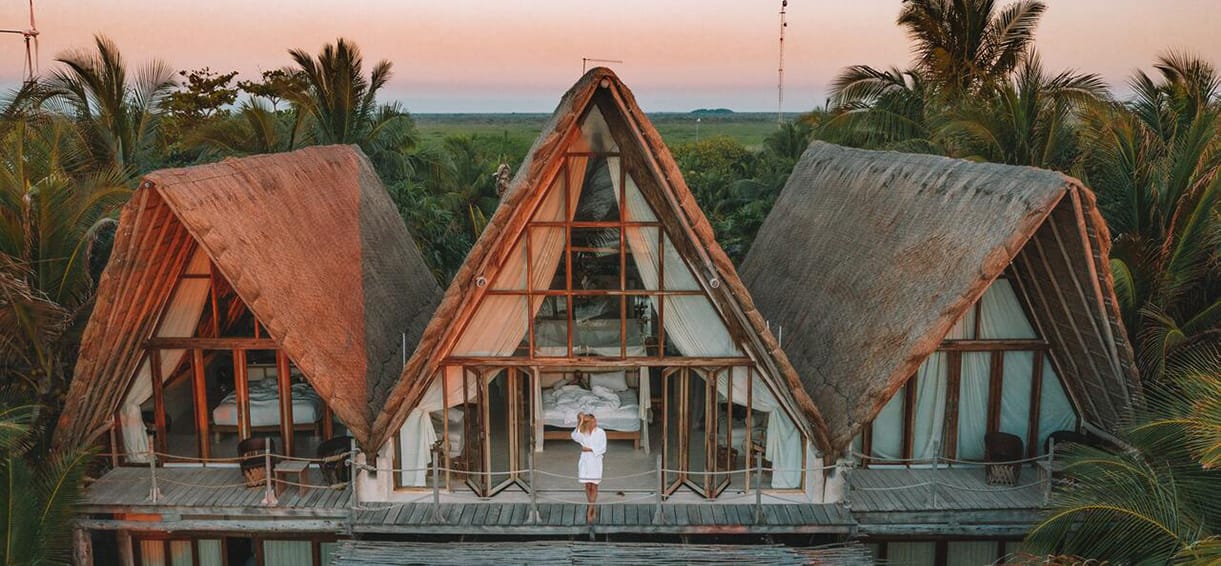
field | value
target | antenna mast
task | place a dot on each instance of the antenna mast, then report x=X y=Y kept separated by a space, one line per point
x=784 y=4
x=30 y=33
x=585 y=61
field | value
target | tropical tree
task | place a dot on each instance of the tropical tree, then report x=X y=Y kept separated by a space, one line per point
x=116 y=114
x=1153 y=163
x=1029 y=119
x=38 y=492
x=965 y=46
x=1153 y=500
x=49 y=221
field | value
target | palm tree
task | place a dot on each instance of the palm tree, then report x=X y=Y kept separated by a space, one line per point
x=49 y=221
x=963 y=46
x=1153 y=501
x=255 y=128
x=116 y=117
x=1027 y=120
x=341 y=100
x=1154 y=164
x=37 y=493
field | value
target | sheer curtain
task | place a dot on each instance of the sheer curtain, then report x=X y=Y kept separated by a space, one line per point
x=417 y=436
x=500 y=323
x=180 y=319
x=929 y=419
x=970 y=553
x=911 y=553
x=973 y=404
x=287 y=552
x=693 y=325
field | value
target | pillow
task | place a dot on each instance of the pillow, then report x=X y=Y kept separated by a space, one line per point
x=615 y=381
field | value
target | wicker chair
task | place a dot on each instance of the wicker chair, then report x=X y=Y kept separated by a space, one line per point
x=253 y=460
x=1002 y=447
x=334 y=454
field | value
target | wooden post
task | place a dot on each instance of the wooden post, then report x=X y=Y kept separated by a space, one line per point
x=534 y=517
x=153 y=492
x=269 y=491
x=126 y=557
x=933 y=477
x=658 y=518
x=82 y=548
x=759 y=488
x=437 y=517
x=1051 y=467
x=846 y=470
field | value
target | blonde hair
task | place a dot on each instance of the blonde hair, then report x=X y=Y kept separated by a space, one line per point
x=587 y=424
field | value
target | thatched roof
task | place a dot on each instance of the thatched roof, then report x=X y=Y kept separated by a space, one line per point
x=643 y=151
x=309 y=240
x=869 y=257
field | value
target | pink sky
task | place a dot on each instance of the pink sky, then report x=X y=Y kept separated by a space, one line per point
x=504 y=56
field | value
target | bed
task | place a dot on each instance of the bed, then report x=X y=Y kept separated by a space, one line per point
x=265 y=408
x=608 y=397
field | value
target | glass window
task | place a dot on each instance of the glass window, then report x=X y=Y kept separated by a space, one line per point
x=551 y=326
x=599 y=200
x=595 y=259
x=971 y=553
x=643 y=330
x=596 y=326
x=287 y=552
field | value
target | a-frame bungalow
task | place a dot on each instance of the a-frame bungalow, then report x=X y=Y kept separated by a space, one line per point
x=273 y=368
x=597 y=286
x=944 y=314
x=268 y=297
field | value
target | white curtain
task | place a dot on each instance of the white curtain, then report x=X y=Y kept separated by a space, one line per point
x=209 y=552
x=417 y=435
x=929 y=419
x=887 y=429
x=1055 y=409
x=970 y=553
x=783 y=442
x=1016 y=384
x=973 y=404
x=152 y=553
x=499 y=325
x=911 y=553
x=180 y=319
x=287 y=552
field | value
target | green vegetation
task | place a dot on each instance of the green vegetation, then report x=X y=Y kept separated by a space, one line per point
x=73 y=145
x=978 y=91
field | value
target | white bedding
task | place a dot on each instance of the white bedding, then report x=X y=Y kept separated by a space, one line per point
x=616 y=410
x=265 y=405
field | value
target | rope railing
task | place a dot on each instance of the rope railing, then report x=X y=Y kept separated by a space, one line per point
x=878 y=460
x=165 y=457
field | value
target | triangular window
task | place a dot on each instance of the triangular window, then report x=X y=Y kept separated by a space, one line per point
x=594 y=275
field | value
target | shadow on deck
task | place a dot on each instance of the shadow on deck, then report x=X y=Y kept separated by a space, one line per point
x=944 y=501
x=208 y=491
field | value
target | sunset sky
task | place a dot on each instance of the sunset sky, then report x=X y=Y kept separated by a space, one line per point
x=505 y=56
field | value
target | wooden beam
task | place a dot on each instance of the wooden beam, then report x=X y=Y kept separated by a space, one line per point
x=241 y=386
x=992 y=345
x=284 y=385
x=996 y=388
x=200 y=389
x=909 y=417
x=154 y=370
x=596 y=362
x=212 y=343
x=1036 y=397
x=950 y=447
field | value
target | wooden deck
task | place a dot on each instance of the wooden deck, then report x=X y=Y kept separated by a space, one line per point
x=207 y=491
x=951 y=501
x=216 y=498
x=569 y=519
x=370 y=553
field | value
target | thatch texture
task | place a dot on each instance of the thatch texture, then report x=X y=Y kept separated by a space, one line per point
x=309 y=240
x=643 y=151
x=868 y=259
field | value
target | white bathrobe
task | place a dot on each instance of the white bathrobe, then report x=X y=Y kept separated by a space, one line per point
x=589 y=467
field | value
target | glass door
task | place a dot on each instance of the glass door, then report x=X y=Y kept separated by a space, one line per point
x=504 y=430
x=690 y=452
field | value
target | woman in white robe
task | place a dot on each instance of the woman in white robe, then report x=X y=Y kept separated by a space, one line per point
x=592 y=439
